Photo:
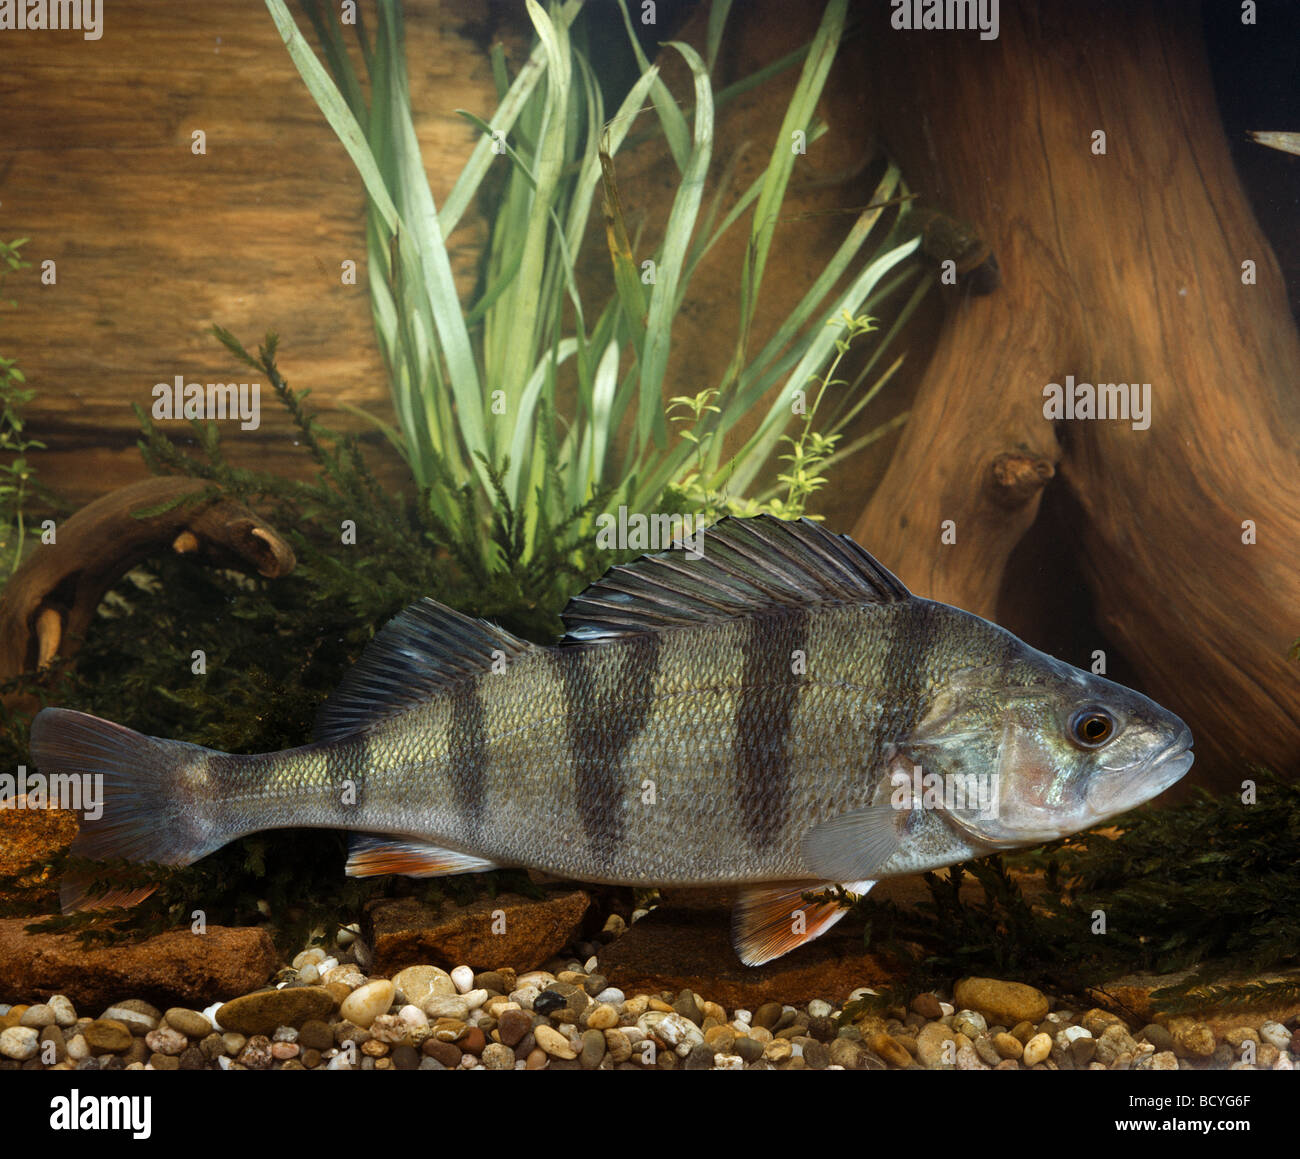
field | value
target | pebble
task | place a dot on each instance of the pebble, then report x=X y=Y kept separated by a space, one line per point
x=390 y=1028
x=553 y=1042
x=347 y=935
x=1274 y=1033
x=498 y=1056
x=932 y=1049
x=137 y=1016
x=262 y=1011
x=593 y=1049
x=927 y=1006
x=1037 y=1049
x=890 y=1049
x=190 y=1023
x=37 y=1017
x=671 y=1028
x=256 y=1054
x=1008 y=1045
x=970 y=1023
x=166 y=1040
x=446 y=1006
x=367 y=1002
x=1192 y=1039
x=107 y=1036
x=767 y=1015
x=64 y=1013
x=1164 y=1060
x=602 y=1016
x=462 y=978
x=1003 y=1002
x=19 y=1042
x=314 y=956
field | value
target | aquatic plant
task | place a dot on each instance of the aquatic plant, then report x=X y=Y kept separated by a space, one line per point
x=482 y=389
x=16 y=475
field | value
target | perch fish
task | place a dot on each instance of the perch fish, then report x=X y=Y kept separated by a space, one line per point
x=780 y=714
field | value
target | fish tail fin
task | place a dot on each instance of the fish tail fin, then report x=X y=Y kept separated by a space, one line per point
x=138 y=804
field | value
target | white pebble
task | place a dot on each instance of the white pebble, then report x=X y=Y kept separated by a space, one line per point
x=475 y=998
x=368 y=1002
x=638 y=914
x=64 y=1014
x=346 y=935
x=613 y=995
x=315 y=956
x=78 y=1048
x=589 y=966
x=1274 y=1033
x=223 y=1061
x=818 y=1008
x=1073 y=1032
x=744 y=1016
x=463 y=977
x=210 y=1013
x=327 y=964
x=413 y=1015
x=19 y=1042
x=309 y=975
x=946 y=1008
x=728 y=1062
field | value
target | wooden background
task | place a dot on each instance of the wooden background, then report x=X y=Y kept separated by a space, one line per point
x=154 y=244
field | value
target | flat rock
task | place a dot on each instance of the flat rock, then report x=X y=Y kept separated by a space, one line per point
x=506 y=930
x=262 y=1012
x=168 y=969
x=687 y=939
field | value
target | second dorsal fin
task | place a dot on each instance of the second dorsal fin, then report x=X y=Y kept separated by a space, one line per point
x=745 y=565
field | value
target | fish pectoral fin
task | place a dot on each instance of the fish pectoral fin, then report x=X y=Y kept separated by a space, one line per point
x=370 y=855
x=770 y=921
x=853 y=846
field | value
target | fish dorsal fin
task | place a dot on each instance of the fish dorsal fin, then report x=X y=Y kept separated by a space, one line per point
x=417 y=654
x=769 y=921
x=744 y=565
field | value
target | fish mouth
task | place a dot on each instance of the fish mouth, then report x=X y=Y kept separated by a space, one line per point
x=1125 y=788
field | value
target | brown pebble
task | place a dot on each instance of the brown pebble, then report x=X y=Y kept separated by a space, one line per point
x=447 y=1053
x=537 y=1058
x=1023 y=1031
x=890 y=1049
x=927 y=1006
x=472 y=1041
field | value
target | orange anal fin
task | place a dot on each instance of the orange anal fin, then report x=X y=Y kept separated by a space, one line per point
x=769 y=921
x=370 y=855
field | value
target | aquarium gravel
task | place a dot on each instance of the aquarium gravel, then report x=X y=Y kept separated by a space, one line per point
x=324 y=1012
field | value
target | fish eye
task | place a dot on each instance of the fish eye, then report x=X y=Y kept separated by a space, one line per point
x=1091 y=727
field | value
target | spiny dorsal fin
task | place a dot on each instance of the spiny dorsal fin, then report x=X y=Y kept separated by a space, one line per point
x=414 y=656
x=747 y=564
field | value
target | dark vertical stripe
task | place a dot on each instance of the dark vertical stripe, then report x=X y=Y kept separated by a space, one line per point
x=905 y=676
x=769 y=695
x=604 y=714
x=467 y=751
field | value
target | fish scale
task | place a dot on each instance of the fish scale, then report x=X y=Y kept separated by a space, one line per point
x=776 y=712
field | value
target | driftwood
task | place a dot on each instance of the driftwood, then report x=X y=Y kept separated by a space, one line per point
x=1122 y=267
x=49 y=603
